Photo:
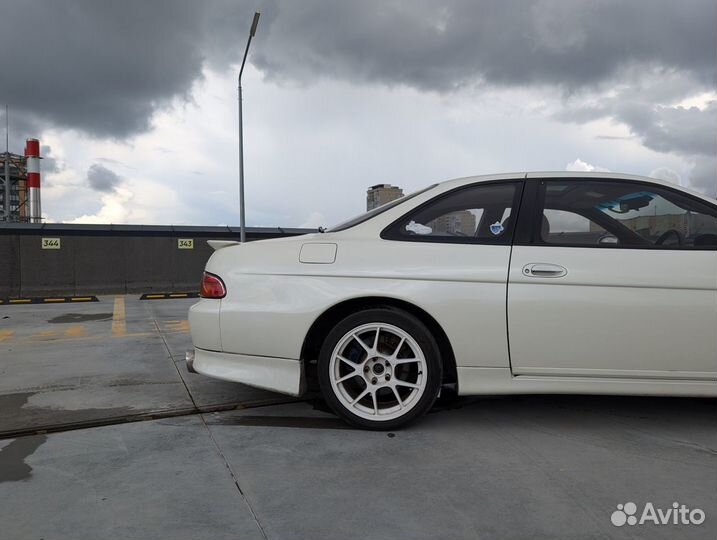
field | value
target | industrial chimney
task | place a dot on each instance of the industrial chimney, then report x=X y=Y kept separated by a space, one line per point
x=32 y=153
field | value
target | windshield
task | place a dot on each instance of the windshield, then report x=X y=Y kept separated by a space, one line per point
x=376 y=211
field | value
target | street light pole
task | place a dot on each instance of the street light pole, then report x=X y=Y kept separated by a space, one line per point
x=6 y=195
x=242 y=224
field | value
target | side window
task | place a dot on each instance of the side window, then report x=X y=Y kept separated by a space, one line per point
x=477 y=214
x=564 y=227
x=624 y=214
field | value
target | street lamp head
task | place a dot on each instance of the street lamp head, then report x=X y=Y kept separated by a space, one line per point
x=252 y=31
x=254 y=24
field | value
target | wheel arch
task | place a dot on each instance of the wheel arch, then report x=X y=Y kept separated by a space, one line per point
x=328 y=319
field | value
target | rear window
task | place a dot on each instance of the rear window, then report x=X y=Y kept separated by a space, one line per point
x=376 y=211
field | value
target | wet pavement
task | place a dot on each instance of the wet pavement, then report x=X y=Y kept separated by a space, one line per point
x=72 y=364
x=130 y=445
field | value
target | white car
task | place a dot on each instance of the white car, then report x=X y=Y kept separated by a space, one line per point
x=516 y=283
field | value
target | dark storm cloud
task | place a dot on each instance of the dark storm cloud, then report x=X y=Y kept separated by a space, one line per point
x=20 y=125
x=443 y=45
x=104 y=67
x=102 y=179
x=625 y=60
x=101 y=66
x=689 y=131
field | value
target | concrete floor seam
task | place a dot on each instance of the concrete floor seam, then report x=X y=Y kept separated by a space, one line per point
x=235 y=478
x=171 y=359
x=211 y=437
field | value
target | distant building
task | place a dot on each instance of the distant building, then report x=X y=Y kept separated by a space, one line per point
x=461 y=222
x=380 y=194
x=18 y=188
x=685 y=223
x=651 y=226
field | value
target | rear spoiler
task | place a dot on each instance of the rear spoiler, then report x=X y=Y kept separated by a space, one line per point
x=219 y=244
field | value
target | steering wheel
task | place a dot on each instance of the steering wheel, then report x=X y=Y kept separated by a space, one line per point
x=670 y=232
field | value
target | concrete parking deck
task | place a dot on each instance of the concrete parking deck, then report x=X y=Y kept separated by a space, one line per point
x=72 y=364
x=227 y=461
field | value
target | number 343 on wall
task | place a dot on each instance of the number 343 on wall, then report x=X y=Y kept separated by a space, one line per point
x=185 y=243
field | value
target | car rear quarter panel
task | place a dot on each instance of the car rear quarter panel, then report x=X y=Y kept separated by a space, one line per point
x=273 y=299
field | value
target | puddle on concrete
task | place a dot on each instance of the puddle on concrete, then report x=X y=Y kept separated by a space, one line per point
x=13 y=467
x=80 y=317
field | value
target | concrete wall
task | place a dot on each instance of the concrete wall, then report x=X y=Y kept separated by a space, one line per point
x=109 y=259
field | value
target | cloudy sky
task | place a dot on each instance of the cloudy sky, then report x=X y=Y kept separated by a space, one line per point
x=135 y=102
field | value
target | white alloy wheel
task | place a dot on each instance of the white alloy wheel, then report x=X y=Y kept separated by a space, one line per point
x=378 y=371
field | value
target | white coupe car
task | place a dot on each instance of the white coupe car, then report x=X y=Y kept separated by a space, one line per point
x=519 y=283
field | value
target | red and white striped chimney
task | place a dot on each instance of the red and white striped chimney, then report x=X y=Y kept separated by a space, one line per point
x=32 y=153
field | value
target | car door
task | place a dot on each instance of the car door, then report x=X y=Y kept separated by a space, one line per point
x=450 y=257
x=613 y=278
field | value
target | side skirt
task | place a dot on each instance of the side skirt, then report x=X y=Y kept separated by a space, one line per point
x=483 y=381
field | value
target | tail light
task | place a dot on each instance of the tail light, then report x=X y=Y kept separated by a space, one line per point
x=212 y=286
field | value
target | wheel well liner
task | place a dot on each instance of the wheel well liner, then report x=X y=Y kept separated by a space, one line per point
x=329 y=318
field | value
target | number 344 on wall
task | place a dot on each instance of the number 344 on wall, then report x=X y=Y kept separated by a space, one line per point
x=51 y=243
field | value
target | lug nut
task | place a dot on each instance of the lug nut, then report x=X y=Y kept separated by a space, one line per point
x=388 y=377
x=374 y=381
x=365 y=369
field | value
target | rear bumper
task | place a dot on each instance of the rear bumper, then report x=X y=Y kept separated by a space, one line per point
x=282 y=375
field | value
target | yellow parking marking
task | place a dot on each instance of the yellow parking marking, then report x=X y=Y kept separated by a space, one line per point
x=76 y=331
x=119 y=323
x=154 y=296
x=21 y=301
x=6 y=334
x=82 y=299
x=47 y=338
x=49 y=334
x=177 y=326
x=53 y=300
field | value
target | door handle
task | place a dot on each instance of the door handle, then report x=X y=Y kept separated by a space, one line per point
x=544 y=270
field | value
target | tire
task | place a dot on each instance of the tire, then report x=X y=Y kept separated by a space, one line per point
x=380 y=368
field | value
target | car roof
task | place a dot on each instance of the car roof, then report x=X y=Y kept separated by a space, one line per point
x=568 y=176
